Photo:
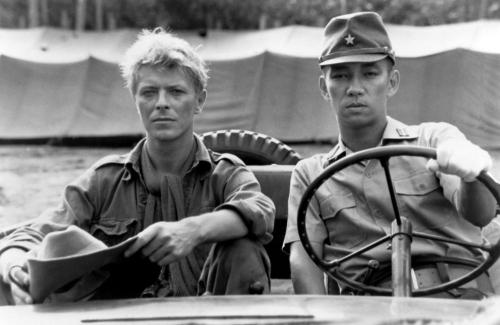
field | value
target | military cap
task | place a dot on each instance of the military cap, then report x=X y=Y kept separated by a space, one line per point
x=357 y=37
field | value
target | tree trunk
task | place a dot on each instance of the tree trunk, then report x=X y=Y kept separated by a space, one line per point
x=111 y=21
x=65 y=23
x=262 y=21
x=34 y=15
x=483 y=9
x=98 y=15
x=44 y=12
x=81 y=8
x=467 y=15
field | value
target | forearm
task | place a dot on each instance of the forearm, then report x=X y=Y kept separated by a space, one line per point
x=307 y=278
x=476 y=203
x=458 y=156
x=221 y=225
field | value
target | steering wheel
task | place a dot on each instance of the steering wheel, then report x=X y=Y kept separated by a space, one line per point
x=383 y=154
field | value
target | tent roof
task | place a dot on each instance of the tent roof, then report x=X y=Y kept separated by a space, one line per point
x=58 y=83
x=50 y=45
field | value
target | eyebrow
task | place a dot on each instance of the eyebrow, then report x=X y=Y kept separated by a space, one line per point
x=371 y=64
x=338 y=67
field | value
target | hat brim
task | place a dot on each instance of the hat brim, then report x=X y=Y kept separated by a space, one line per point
x=354 y=59
x=46 y=276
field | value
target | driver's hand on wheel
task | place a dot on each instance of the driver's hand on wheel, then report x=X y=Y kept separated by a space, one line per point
x=461 y=158
x=15 y=275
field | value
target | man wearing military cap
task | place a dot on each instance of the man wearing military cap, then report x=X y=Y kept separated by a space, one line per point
x=351 y=209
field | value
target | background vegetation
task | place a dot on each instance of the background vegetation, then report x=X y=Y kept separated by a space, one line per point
x=231 y=14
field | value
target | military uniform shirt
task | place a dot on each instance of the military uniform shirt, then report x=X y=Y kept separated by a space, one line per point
x=353 y=208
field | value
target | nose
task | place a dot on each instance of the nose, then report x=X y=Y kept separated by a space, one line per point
x=162 y=102
x=355 y=88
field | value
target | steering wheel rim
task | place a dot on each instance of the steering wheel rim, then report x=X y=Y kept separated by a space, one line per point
x=331 y=267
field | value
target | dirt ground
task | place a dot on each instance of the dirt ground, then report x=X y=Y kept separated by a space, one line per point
x=32 y=177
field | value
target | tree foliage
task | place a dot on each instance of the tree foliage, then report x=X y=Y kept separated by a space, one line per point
x=241 y=14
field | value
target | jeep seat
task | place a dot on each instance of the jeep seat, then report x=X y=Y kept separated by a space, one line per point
x=275 y=183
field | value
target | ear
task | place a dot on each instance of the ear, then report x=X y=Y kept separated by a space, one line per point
x=202 y=97
x=393 y=83
x=323 y=88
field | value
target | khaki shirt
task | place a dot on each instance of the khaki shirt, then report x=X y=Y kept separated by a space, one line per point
x=110 y=201
x=353 y=208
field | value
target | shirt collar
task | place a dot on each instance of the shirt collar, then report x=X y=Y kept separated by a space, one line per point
x=339 y=151
x=394 y=131
x=202 y=159
x=132 y=160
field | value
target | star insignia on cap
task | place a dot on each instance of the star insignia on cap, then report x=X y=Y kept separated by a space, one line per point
x=349 y=40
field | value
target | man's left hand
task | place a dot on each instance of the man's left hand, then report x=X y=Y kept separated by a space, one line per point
x=461 y=158
x=164 y=242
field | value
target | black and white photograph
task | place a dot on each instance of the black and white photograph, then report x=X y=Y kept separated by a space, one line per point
x=250 y=162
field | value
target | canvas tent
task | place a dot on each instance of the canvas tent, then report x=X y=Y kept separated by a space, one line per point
x=58 y=83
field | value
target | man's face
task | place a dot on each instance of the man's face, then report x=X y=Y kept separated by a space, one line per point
x=167 y=102
x=359 y=91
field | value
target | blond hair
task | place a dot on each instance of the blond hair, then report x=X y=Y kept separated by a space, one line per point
x=163 y=49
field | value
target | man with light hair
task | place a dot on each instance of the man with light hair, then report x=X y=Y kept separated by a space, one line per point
x=199 y=216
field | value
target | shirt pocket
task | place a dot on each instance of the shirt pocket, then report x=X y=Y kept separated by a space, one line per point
x=112 y=231
x=421 y=199
x=419 y=184
x=341 y=219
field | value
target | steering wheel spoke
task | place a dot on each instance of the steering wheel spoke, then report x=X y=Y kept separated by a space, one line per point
x=384 y=161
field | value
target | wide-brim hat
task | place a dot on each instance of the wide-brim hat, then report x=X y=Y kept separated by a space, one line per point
x=357 y=37
x=67 y=263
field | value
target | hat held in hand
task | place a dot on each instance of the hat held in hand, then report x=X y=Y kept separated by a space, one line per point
x=357 y=37
x=71 y=258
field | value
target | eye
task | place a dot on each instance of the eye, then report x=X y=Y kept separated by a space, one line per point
x=177 y=91
x=148 y=92
x=372 y=73
x=338 y=75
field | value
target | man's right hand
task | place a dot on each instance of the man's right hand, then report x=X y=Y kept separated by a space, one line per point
x=13 y=265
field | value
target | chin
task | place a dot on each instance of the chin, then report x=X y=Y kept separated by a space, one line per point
x=164 y=135
x=359 y=122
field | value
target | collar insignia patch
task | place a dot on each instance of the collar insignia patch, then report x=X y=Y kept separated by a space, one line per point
x=402 y=132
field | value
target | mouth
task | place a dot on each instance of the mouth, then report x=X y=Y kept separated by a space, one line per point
x=163 y=120
x=355 y=105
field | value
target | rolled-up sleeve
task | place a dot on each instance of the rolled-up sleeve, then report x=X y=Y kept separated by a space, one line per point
x=241 y=192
